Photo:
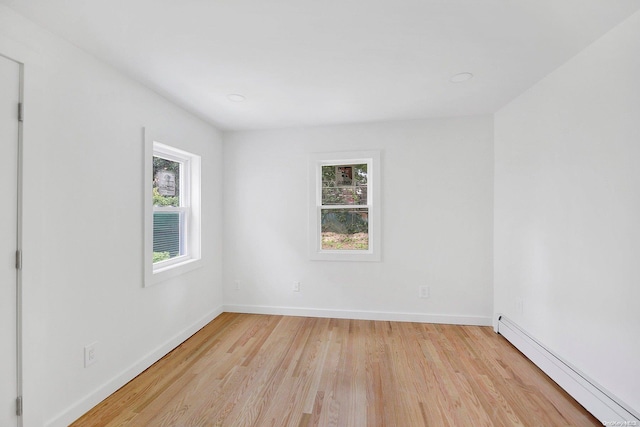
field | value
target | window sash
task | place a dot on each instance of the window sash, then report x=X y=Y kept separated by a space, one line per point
x=320 y=249
x=347 y=162
x=320 y=206
x=183 y=235
x=350 y=221
x=184 y=177
x=184 y=210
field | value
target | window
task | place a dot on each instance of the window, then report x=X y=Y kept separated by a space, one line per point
x=344 y=206
x=172 y=213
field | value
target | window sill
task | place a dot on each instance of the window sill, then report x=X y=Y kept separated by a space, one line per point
x=345 y=255
x=174 y=270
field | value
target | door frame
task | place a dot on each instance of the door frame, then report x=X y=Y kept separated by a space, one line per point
x=19 y=210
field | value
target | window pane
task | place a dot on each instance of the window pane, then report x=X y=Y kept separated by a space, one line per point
x=166 y=182
x=345 y=229
x=167 y=236
x=344 y=184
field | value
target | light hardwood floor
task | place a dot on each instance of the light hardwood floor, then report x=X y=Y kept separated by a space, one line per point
x=256 y=370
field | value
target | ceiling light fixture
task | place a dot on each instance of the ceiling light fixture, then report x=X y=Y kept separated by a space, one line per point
x=234 y=97
x=461 y=77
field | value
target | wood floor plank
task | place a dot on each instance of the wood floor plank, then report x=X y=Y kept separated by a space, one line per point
x=255 y=370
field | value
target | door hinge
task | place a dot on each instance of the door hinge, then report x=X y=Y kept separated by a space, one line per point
x=19 y=259
x=20 y=112
x=19 y=406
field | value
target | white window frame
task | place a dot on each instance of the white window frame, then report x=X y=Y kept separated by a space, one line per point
x=190 y=208
x=316 y=162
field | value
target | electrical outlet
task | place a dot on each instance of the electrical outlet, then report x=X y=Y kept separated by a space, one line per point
x=296 y=286
x=236 y=285
x=424 y=292
x=90 y=354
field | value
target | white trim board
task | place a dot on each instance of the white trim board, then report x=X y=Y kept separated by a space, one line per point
x=78 y=409
x=603 y=405
x=361 y=315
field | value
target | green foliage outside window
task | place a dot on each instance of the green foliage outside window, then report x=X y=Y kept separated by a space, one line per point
x=160 y=164
x=159 y=200
x=160 y=256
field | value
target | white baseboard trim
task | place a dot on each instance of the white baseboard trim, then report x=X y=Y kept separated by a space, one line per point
x=361 y=315
x=603 y=405
x=78 y=409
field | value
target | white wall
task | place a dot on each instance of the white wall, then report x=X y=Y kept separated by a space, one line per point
x=567 y=234
x=83 y=226
x=437 y=204
x=565 y=211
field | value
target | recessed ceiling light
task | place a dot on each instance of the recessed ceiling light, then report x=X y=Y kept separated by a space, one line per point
x=461 y=77
x=234 y=97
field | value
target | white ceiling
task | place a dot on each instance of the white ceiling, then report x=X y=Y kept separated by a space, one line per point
x=314 y=62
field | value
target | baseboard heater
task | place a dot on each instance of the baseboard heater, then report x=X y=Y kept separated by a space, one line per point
x=603 y=405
